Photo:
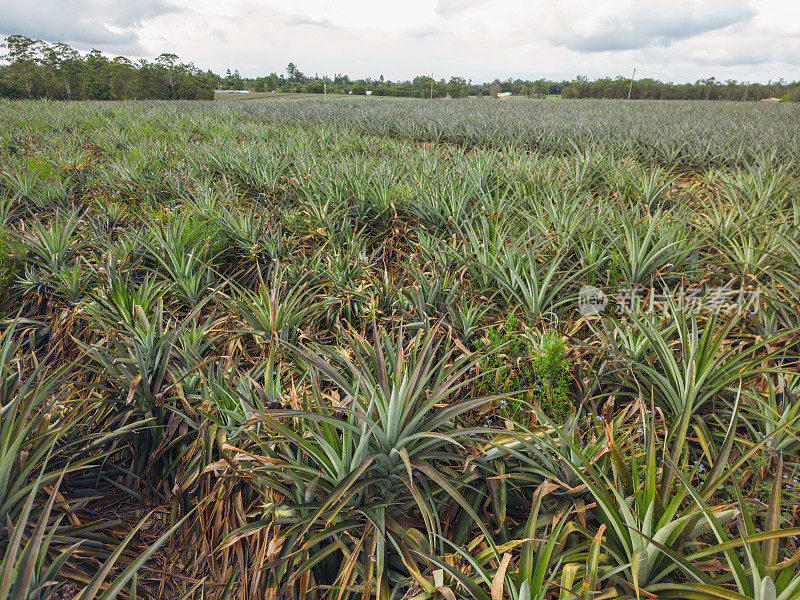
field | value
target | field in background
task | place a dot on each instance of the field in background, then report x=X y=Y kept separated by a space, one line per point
x=374 y=349
x=298 y=96
x=675 y=134
x=266 y=96
x=292 y=96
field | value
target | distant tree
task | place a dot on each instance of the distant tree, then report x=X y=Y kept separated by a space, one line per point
x=96 y=82
x=236 y=81
x=22 y=56
x=37 y=69
x=273 y=82
x=69 y=66
x=457 y=87
x=122 y=74
x=315 y=87
x=167 y=61
x=422 y=84
x=294 y=73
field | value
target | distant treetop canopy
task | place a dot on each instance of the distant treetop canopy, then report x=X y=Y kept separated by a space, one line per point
x=37 y=69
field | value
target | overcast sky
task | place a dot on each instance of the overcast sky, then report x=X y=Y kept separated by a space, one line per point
x=677 y=40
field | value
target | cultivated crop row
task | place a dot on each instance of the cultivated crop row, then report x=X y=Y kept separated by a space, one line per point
x=301 y=351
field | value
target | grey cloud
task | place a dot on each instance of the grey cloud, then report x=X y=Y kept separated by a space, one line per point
x=132 y=14
x=73 y=32
x=304 y=20
x=737 y=48
x=651 y=24
x=424 y=32
x=82 y=22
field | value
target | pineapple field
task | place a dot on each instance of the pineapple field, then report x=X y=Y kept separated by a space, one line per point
x=399 y=349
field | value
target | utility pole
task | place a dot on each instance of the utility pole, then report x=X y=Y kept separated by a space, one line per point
x=630 y=88
x=324 y=88
x=431 y=86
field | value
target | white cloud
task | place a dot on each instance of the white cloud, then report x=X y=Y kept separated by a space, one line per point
x=635 y=24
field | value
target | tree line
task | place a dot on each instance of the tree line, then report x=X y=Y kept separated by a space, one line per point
x=703 y=89
x=57 y=71
x=37 y=69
